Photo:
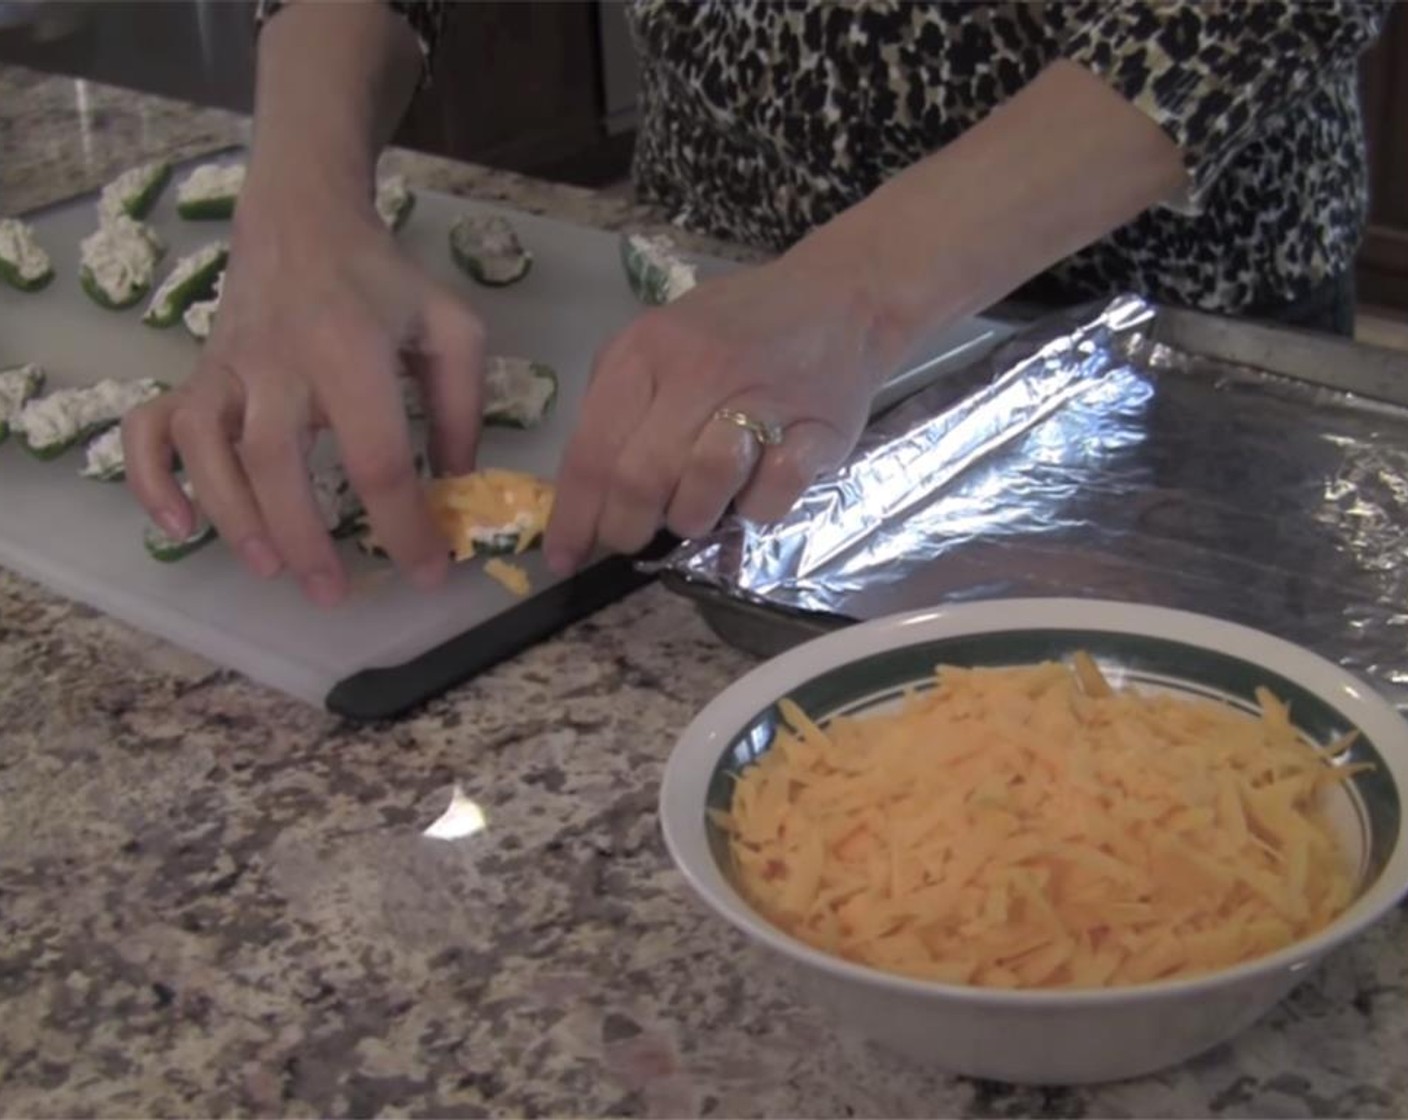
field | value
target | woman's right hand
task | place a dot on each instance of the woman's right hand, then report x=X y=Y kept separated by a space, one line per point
x=319 y=315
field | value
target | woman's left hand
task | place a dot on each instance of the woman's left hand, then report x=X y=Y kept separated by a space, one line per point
x=795 y=345
x=804 y=342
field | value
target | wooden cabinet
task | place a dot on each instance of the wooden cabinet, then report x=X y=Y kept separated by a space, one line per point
x=535 y=87
x=520 y=86
x=1383 y=261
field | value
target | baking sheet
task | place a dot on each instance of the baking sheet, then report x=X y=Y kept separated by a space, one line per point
x=390 y=647
x=1106 y=456
x=83 y=539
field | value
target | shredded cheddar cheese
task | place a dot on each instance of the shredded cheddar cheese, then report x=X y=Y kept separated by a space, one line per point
x=490 y=511
x=1032 y=827
x=511 y=576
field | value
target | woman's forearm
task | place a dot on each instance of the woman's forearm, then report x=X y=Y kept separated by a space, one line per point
x=1063 y=163
x=333 y=81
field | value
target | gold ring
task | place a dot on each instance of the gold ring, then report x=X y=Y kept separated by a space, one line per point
x=769 y=435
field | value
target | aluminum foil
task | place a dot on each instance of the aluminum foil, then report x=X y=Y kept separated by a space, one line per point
x=1088 y=459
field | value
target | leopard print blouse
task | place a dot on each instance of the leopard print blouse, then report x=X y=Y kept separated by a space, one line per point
x=761 y=120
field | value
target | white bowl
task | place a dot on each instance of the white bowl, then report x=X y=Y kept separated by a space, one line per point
x=1045 y=1037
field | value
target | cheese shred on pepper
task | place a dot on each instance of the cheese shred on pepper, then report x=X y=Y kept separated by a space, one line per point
x=510 y=577
x=487 y=513
x=1033 y=827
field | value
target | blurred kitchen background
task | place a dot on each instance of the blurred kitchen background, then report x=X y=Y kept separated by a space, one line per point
x=545 y=88
x=548 y=88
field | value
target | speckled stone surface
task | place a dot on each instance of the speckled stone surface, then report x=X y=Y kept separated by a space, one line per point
x=214 y=901
x=60 y=137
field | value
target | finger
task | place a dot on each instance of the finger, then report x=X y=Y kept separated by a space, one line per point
x=204 y=429
x=720 y=464
x=148 y=459
x=785 y=471
x=449 y=363
x=272 y=451
x=643 y=483
x=617 y=402
x=373 y=437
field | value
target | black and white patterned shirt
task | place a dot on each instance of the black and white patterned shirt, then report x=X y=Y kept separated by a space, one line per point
x=761 y=120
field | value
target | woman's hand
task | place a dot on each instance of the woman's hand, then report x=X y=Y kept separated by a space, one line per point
x=320 y=313
x=793 y=343
x=805 y=341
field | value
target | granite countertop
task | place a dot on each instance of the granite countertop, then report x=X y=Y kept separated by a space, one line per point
x=214 y=900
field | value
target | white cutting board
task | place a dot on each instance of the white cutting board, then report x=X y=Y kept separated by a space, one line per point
x=83 y=539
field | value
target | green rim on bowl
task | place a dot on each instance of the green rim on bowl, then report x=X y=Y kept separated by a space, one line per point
x=1044 y=1035
x=870 y=663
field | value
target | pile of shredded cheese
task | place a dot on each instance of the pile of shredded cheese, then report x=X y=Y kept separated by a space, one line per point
x=1032 y=828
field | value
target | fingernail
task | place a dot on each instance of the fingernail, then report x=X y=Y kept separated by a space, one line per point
x=172 y=523
x=428 y=576
x=323 y=589
x=562 y=563
x=262 y=559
